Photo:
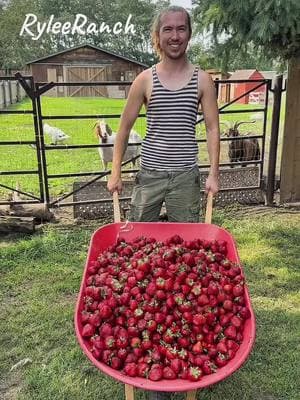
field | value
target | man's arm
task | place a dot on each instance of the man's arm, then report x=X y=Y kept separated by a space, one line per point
x=211 y=118
x=130 y=113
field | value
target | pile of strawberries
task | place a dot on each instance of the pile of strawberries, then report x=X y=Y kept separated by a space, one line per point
x=164 y=310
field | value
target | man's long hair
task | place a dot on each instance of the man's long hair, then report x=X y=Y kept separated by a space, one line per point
x=156 y=24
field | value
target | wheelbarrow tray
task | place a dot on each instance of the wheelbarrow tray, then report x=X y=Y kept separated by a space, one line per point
x=106 y=236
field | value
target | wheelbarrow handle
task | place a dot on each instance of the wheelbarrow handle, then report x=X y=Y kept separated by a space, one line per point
x=117 y=213
x=209 y=207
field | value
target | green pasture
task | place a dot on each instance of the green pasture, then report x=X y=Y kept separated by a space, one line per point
x=23 y=157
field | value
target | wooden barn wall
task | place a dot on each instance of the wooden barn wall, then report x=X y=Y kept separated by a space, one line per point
x=84 y=56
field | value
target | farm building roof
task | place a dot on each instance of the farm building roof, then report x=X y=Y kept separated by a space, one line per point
x=91 y=46
x=242 y=74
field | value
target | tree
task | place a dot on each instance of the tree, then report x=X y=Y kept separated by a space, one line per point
x=215 y=56
x=274 y=27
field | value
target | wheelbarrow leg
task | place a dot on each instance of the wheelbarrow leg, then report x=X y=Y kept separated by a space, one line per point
x=129 y=392
x=191 y=395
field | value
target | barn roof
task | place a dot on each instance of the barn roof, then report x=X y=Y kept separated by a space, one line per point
x=91 y=46
x=243 y=74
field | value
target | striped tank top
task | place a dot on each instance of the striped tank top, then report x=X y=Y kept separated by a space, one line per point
x=170 y=141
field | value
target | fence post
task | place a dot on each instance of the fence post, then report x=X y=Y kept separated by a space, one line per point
x=4 y=94
x=217 y=88
x=10 y=92
x=277 y=92
x=17 y=91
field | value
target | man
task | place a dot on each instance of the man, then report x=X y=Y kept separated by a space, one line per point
x=171 y=92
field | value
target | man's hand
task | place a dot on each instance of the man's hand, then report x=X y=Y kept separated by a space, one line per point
x=114 y=184
x=212 y=184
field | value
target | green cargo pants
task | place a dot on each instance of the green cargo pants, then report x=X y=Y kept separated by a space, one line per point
x=180 y=190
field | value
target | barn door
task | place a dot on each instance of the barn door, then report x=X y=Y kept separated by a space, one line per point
x=86 y=74
x=51 y=77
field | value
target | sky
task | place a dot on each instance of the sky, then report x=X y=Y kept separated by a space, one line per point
x=182 y=3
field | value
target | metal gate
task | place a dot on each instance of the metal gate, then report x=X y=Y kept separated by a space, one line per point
x=35 y=91
x=27 y=83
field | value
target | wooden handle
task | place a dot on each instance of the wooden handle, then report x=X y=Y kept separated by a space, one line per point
x=129 y=392
x=117 y=213
x=209 y=206
x=191 y=395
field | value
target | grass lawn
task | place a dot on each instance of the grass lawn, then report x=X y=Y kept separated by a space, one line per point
x=20 y=128
x=40 y=277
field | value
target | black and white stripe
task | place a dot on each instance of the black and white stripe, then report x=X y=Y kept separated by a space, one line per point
x=170 y=141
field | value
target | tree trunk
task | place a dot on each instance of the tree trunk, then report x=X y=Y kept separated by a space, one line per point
x=38 y=211
x=9 y=224
x=290 y=160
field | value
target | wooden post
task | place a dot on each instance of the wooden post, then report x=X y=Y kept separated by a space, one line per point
x=274 y=139
x=290 y=160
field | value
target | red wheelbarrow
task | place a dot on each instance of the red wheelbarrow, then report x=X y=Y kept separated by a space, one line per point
x=106 y=236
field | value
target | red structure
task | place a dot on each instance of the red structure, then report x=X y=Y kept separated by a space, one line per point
x=238 y=89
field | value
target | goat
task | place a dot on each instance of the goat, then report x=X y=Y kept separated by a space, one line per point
x=56 y=134
x=105 y=135
x=241 y=149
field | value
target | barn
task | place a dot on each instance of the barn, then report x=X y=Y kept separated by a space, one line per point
x=85 y=63
x=258 y=96
x=223 y=88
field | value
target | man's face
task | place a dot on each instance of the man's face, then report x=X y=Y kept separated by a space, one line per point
x=174 y=34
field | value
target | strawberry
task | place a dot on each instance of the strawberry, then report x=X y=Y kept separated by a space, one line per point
x=197 y=348
x=110 y=342
x=143 y=370
x=122 y=354
x=183 y=342
x=159 y=317
x=208 y=367
x=122 y=342
x=135 y=342
x=230 y=332
x=88 y=330
x=203 y=299
x=156 y=372
x=236 y=321
x=168 y=373
x=221 y=347
x=228 y=305
x=85 y=316
x=221 y=360
x=95 y=319
x=105 y=311
x=232 y=345
x=130 y=369
x=175 y=365
x=116 y=363
x=237 y=290
x=245 y=313
x=199 y=319
x=194 y=374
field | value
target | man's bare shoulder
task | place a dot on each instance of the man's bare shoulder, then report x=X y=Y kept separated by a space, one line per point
x=204 y=77
x=205 y=81
x=144 y=77
x=143 y=84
